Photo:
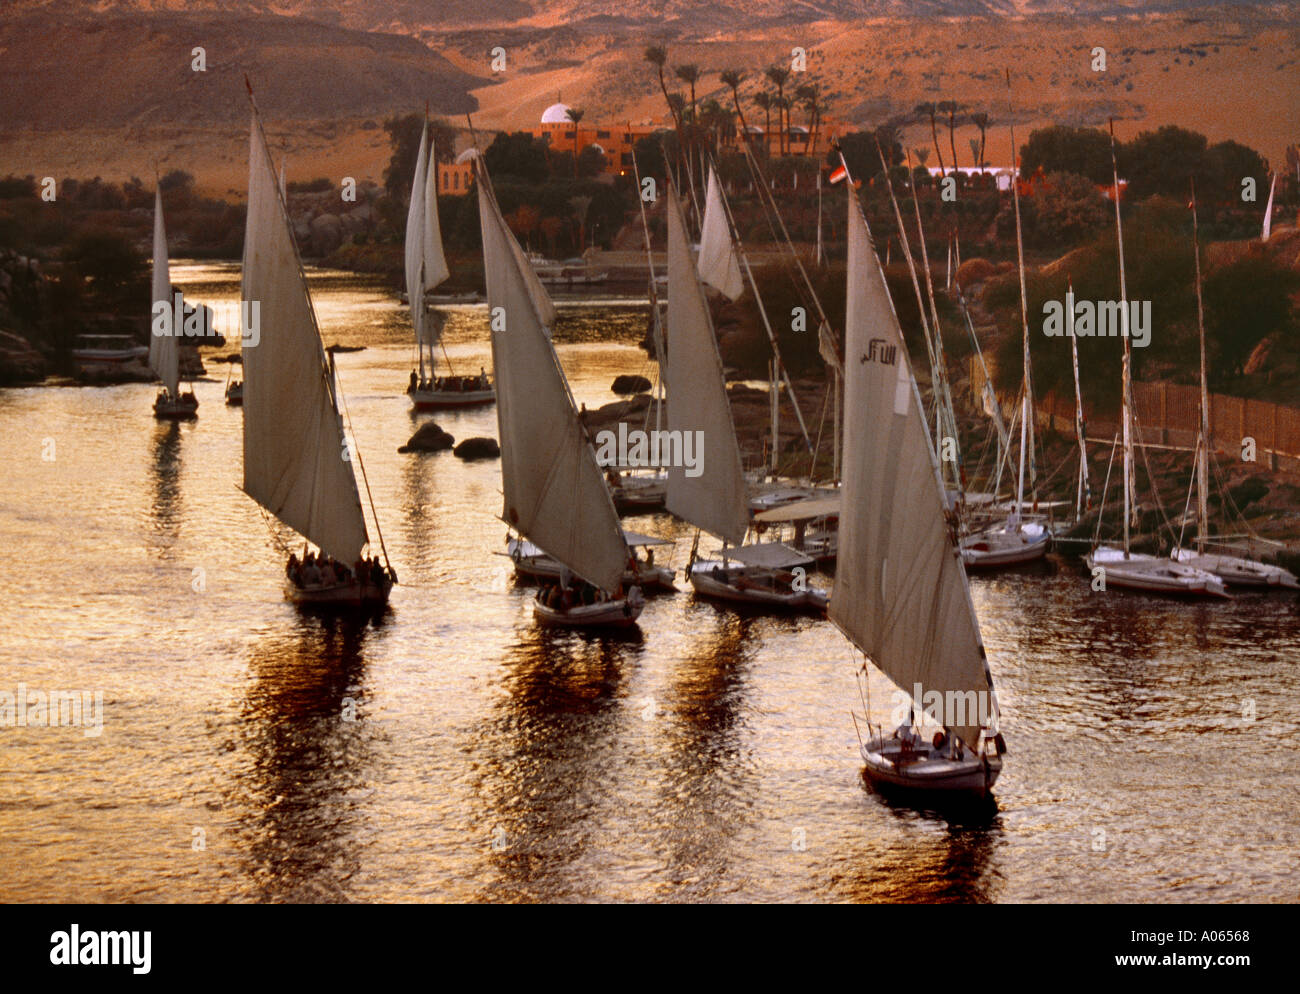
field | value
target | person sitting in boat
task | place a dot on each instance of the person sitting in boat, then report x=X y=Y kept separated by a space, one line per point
x=482 y=378
x=327 y=575
x=904 y=732
x=310 y=574
x=415 y=382
x=939 y=742
x=291 y=568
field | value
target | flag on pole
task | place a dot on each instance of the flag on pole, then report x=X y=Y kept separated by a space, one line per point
x=838 y=174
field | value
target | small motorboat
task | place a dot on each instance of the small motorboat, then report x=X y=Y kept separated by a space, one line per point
x=1237 y=571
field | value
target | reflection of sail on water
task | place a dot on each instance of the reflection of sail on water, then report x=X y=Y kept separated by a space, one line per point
x=164 y=358
x=697 y=399
x=900 y=591
x=295 y=463
x=555 y=494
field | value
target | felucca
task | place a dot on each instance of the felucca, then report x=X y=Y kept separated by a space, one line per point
x=901 y=595
x=164 y=341
x=297 y=460
x=1238 y=571
x=714 y=500
x=555 y=494
x=426 y=268
x=1122 y=567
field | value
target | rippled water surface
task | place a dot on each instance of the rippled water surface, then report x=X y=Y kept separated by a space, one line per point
x=453 y=751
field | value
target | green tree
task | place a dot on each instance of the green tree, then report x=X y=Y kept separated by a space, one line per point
x=1245 y=302
x=1160 y=161
x=1068 y=209
x=1061 y=149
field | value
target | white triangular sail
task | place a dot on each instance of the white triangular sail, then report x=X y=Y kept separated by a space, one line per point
x=164 y=350
x=295 y=462
x=718 y=265
x=1268 y=211
x=415 y=235
x=900 y=590
x=435 y=260
x=714 y=500
x=555 y=494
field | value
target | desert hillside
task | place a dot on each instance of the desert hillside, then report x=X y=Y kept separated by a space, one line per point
x=107 y=88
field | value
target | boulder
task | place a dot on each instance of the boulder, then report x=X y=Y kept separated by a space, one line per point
x=478 y=448
x=629 y=383
x=428 y=438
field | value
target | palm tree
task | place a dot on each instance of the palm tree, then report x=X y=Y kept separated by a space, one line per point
x=658 y=56
x=764 y=101
x=928 y=110
x=809 y=94
x=733 y=78
x=783 y=105
x=779 y=75
x=951 y=107
x=574 y=114
x=981 y=121
x=690 y=75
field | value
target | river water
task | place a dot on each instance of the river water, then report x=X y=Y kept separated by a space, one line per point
x=453 y=751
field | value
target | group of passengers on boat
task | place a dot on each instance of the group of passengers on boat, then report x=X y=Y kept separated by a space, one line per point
x=324 y=571
x=577 y=595
x=453 y=384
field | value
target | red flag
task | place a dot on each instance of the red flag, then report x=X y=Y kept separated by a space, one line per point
x=838 y=175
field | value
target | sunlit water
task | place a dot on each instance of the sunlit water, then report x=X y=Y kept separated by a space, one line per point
x=453 y=751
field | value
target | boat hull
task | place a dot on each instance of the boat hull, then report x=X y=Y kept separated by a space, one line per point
x=920 y=772
x=340 y=596
x=549 y=570
x=1005 y=547
x=434 y=400
x=182 y=408
x=1240 y=572
x=1155 y=575
x=754 y=586
x=619 y=613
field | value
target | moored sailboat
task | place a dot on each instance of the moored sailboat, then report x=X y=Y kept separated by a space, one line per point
x=1122 y=567
x=298 y=463
x=901 y=595
x=1238 y=571
x=766 y=574
x=554 y=491
x=164 y=338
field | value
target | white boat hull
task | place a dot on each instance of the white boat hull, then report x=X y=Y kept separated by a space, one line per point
x=432 y=400
x=1008 y=546
x=1237 y=571
x=543 y=567
x=1154 y=574
x=618 y=613
x=752 y=585
x=892 y=766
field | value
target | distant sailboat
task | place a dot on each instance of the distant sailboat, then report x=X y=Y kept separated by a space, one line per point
x=1121 y=567
x=426 y=268
x=555 y=494
x=298 y=464
x=1234 y=570
x=901 y=595
x=164 y=348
